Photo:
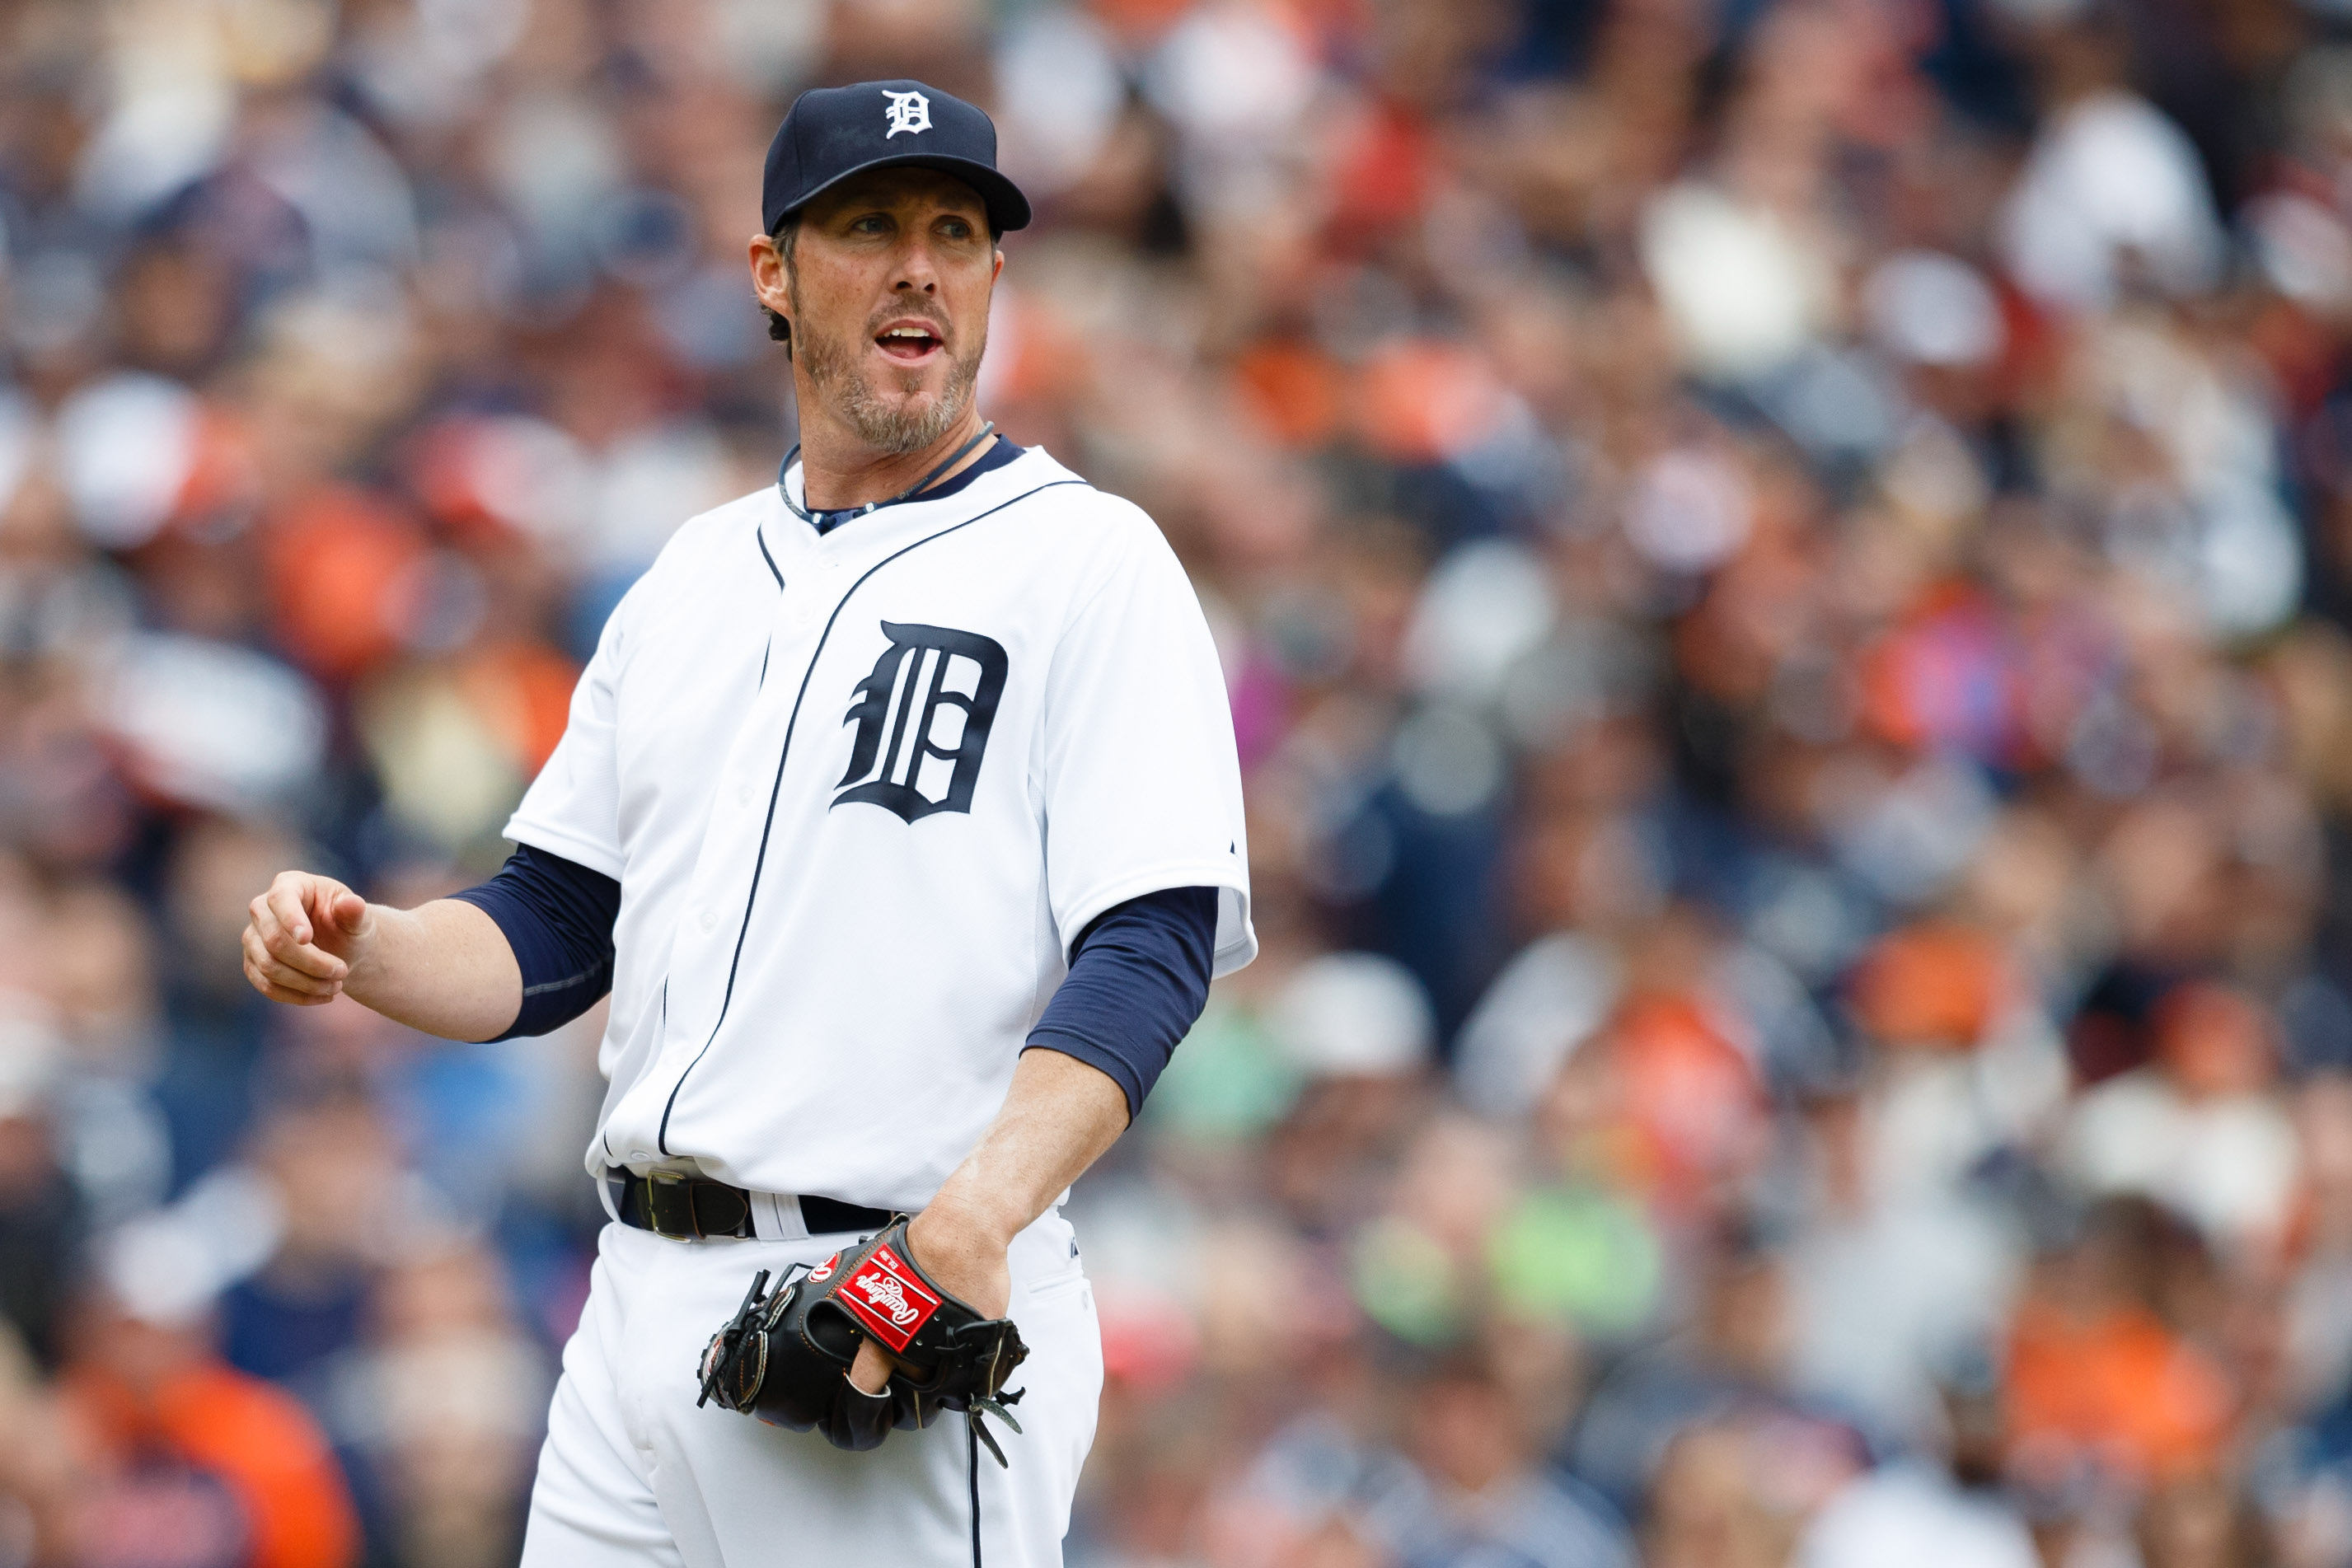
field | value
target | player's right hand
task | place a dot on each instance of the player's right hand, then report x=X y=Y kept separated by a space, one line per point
x=302 y=936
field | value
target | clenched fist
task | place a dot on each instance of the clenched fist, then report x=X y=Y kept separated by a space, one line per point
x=444 y=967
x=303 y=937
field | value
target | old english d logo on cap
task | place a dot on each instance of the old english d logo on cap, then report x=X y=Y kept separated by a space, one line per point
x=908 y=111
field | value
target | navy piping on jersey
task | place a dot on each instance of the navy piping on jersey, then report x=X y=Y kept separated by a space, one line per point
x=996 y=456
x=823 y=522
x=770 y=646
x=972 y=1462
x=758 y=864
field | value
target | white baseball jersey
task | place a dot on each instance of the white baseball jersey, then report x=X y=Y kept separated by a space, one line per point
x=861 y=791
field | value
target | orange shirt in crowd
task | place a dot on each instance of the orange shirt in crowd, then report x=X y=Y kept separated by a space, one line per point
x=2119 y=1384
x=256 y=1438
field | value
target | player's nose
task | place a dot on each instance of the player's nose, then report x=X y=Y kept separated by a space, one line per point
x=916 y=271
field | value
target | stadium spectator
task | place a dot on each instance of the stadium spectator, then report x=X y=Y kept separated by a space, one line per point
x=1785 y=578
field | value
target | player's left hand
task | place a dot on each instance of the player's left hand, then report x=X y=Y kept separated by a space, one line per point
x=962 y=1251
x=788 y=1354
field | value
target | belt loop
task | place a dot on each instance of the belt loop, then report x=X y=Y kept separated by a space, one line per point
x=775 y=1217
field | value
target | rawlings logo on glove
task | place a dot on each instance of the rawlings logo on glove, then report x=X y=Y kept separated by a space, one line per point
x=886 y=1300
x=785 y=1357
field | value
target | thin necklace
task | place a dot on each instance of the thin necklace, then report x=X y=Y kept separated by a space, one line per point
x=925 y=483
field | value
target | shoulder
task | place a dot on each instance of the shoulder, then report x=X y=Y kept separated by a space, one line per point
x=1100 y=534
x=1047 y=489
x=720 y=534
x=718 y=545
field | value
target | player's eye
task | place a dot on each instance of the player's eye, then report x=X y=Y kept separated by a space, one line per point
x=871 y=224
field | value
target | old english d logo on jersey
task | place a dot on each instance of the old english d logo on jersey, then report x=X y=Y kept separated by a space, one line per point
x=923 y=715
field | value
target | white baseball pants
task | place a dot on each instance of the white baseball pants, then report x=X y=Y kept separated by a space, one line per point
x=633 y=1474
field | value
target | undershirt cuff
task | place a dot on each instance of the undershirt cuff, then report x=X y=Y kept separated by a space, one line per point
x=558 y=917
x=1139 y=978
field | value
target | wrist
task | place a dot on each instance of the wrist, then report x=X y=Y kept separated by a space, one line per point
x=966 y=1249
x=971 y=1222
x=362 y=954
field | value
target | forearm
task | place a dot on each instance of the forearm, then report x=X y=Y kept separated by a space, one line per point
x=1059 y=1118
x=1136 y=985
x=444 y=967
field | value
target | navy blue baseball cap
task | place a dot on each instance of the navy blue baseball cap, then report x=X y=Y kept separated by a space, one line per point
x=833 y=133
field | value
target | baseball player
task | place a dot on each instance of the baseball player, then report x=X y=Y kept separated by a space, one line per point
x=899 y=814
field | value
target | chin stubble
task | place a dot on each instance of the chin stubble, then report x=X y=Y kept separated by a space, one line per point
x=896 y=426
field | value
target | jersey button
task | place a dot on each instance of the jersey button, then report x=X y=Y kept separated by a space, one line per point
x=709 y=917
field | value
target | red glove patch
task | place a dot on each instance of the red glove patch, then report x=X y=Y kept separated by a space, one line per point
x=886 y=1299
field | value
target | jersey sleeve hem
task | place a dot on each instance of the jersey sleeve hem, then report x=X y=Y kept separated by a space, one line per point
x=1108 y=1063
x=596 y=857
x=1236 y=941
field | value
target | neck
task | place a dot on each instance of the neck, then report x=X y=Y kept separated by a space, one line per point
x=839 y=470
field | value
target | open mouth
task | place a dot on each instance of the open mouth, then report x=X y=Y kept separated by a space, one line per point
x=907 y=341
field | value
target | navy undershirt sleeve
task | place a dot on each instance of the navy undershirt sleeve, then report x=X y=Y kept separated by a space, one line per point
x=1139 y=977
x=558 y=917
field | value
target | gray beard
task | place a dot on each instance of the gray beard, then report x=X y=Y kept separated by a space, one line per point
x=895 y=427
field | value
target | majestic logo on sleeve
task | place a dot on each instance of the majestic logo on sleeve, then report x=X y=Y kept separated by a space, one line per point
x=923 y=715
x=908 y=112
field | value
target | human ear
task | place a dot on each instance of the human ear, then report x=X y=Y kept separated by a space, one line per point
x=770 y=275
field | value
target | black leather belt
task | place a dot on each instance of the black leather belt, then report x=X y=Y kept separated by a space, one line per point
x=692 y=1208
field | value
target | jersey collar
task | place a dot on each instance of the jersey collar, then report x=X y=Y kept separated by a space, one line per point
x=994 y=451
x=891 y=525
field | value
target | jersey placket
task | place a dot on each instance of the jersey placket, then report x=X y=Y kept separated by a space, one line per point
x=743 y=838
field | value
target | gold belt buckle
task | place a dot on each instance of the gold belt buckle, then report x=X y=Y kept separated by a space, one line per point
x=668 y=1197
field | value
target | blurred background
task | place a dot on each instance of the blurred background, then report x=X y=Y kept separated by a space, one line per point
x=1784 y=569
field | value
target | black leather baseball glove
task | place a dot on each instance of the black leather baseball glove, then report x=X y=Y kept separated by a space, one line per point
x=786 y=1355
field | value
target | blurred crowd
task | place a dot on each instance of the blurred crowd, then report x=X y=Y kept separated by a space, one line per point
x=1785 y=573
